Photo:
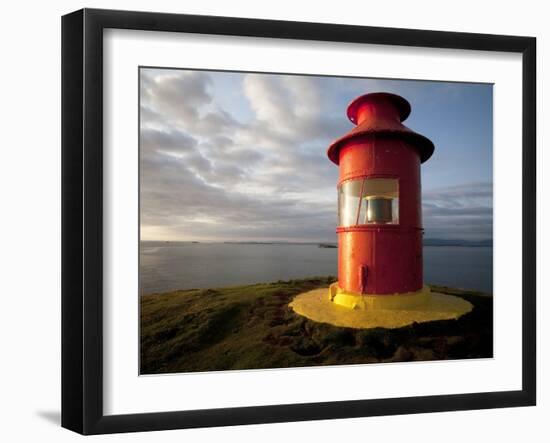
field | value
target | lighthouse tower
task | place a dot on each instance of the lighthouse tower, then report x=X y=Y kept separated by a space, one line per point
x=379 y=203
x=379 y=227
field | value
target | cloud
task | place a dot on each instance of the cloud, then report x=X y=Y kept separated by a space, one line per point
x=291 y=108
x=182 y=99
x=169 y=140
x=186 y=206
x=462 y=212
x=176 y=95
x=205 y=175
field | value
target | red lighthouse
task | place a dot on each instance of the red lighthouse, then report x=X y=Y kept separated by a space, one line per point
x=379 y=202
x=379 y=226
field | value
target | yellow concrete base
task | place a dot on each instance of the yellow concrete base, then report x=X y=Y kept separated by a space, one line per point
x=374 y=301
x=429 y=306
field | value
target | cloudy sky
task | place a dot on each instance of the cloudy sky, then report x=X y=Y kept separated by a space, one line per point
x=239 y=156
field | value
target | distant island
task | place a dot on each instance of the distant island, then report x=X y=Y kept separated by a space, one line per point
x=426 y=242
x=244 y=242
x=255 y=243
x=457 y=242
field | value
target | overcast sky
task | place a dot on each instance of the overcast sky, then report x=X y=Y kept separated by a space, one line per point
x=237 y=156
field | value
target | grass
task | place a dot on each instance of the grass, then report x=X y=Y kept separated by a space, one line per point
x=252 y=327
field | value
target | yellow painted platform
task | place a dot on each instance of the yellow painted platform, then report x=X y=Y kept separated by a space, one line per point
x=373 y=301
x=317 y=306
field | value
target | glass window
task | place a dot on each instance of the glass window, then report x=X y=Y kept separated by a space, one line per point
x=348 y=202
x=366 y=201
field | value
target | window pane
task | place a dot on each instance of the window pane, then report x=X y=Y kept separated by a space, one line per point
x=381 y=187
x=348 y=202
x=368 y=201
x=381 y=197
x=379 y=210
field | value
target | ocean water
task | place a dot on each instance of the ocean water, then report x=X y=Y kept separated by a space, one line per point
x=169 y=266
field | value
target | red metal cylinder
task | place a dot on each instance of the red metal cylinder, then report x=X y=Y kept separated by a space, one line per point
x=380 y=160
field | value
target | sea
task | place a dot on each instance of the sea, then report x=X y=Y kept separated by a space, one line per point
x=166 y=266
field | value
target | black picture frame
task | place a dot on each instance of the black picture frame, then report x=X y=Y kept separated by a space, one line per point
x=82 y=220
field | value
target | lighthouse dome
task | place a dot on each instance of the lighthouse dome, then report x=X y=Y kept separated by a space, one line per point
x=380 y=115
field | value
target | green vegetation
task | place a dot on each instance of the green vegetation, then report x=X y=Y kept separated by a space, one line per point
x=247 y=327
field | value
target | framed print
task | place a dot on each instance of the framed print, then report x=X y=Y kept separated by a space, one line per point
x=269 y=221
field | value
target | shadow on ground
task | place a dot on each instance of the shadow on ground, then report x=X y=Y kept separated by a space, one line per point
x=53 y=417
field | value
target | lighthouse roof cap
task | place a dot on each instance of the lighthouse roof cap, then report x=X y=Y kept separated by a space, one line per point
x=402 y=106
x=381 y=126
